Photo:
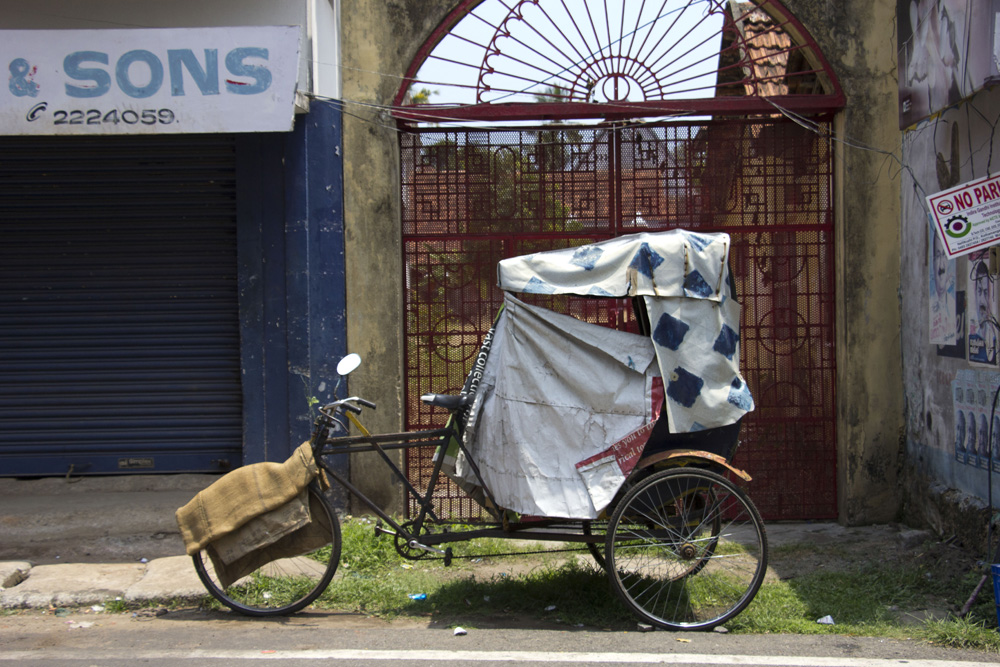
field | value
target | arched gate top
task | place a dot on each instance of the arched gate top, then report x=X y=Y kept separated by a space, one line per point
x=496 y=60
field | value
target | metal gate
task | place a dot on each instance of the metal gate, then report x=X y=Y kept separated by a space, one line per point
x=119 y=322
x=473 y=196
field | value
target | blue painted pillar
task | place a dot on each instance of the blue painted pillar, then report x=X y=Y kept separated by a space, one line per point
x=314 y=263
x=291 y=279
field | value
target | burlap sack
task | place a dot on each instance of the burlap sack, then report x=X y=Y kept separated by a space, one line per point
x=309 y=537
x=243 y=494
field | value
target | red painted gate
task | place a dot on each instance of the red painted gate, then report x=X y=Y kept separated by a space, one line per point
x=473 y=196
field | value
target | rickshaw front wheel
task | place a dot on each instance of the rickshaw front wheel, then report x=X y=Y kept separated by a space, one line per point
x=280 y=584
x=686 y=549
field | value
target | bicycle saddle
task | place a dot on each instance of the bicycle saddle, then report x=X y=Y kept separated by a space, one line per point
x=447 y=401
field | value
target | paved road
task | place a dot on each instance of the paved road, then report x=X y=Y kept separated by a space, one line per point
x=197 y=638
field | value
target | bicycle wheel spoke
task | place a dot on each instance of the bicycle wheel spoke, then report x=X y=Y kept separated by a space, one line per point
x=685 y=549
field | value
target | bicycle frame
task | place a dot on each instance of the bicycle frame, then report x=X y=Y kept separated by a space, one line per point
x=413 y=532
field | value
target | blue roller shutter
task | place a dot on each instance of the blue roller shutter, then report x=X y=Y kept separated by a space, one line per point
x=119 y=324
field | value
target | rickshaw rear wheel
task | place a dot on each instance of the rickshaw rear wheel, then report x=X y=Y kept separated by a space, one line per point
x=600 y=526
x=280 y=586
x=686 y=549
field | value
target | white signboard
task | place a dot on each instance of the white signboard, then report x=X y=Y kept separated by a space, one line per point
x=149 y=81
x=967 y=217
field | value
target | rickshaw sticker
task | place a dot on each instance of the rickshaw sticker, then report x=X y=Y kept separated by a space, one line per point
x=586 y=257
x=694 y=284
x=727 y=342
x=670 y=332
x=625 y=452
x=685 y=387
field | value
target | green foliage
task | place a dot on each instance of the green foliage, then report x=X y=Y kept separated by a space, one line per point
x=508 y=189
x=115 y=606
x=363 y=550
x=968 y=633
x=422 y=96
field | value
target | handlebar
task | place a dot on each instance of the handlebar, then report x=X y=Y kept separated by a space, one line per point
x=346 y=404
x=332 y=421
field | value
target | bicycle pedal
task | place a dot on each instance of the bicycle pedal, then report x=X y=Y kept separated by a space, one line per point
x=413 y=544
x=380 y=530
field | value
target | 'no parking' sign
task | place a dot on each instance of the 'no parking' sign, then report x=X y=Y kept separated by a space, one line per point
x=967 y=216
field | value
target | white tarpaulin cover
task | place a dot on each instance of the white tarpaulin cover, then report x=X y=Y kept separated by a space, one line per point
x=683 y=277
x=555 y=392
x=564 y=408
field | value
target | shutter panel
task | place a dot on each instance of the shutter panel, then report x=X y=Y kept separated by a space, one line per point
x=119 y=323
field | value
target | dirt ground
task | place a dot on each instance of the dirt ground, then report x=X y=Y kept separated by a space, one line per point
x=800 y=549
x=832 y=548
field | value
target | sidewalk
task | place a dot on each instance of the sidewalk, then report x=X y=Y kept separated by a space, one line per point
x=82 y=543
x=85 y=541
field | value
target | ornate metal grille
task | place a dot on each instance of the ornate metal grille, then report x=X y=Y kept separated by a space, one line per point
x=472 y=197
x=542 y=59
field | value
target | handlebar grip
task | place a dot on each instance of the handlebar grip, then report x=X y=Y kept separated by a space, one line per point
x=366 y=403
x=353 y=408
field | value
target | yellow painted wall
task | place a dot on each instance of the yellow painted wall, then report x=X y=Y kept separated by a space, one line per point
x=857 y=37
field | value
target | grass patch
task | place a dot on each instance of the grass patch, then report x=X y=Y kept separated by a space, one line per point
x=565 y=589
x=876 y=601
x=963 y=633
x=374 y=579
x=116 y=606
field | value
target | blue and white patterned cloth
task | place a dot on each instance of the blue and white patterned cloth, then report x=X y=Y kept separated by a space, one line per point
x=683 y=277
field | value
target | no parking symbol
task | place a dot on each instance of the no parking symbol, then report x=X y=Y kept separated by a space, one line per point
x=967 y=216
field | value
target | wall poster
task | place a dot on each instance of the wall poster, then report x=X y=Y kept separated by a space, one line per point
x=973 y=404
x=945 y=328
x=984 y=330
x=948 y=49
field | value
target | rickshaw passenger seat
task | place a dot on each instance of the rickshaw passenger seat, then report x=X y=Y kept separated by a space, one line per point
x=721 y=440
x=447 y=401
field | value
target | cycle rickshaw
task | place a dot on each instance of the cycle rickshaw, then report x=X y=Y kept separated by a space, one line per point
x=565 y=431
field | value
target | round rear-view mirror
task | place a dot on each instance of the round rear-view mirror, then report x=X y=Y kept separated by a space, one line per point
x=348 y=364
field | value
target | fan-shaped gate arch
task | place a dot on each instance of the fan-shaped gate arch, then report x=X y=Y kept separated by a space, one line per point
x=666 y=134
x=549 y=59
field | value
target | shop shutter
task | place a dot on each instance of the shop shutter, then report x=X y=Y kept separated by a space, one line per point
x=119 y=323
